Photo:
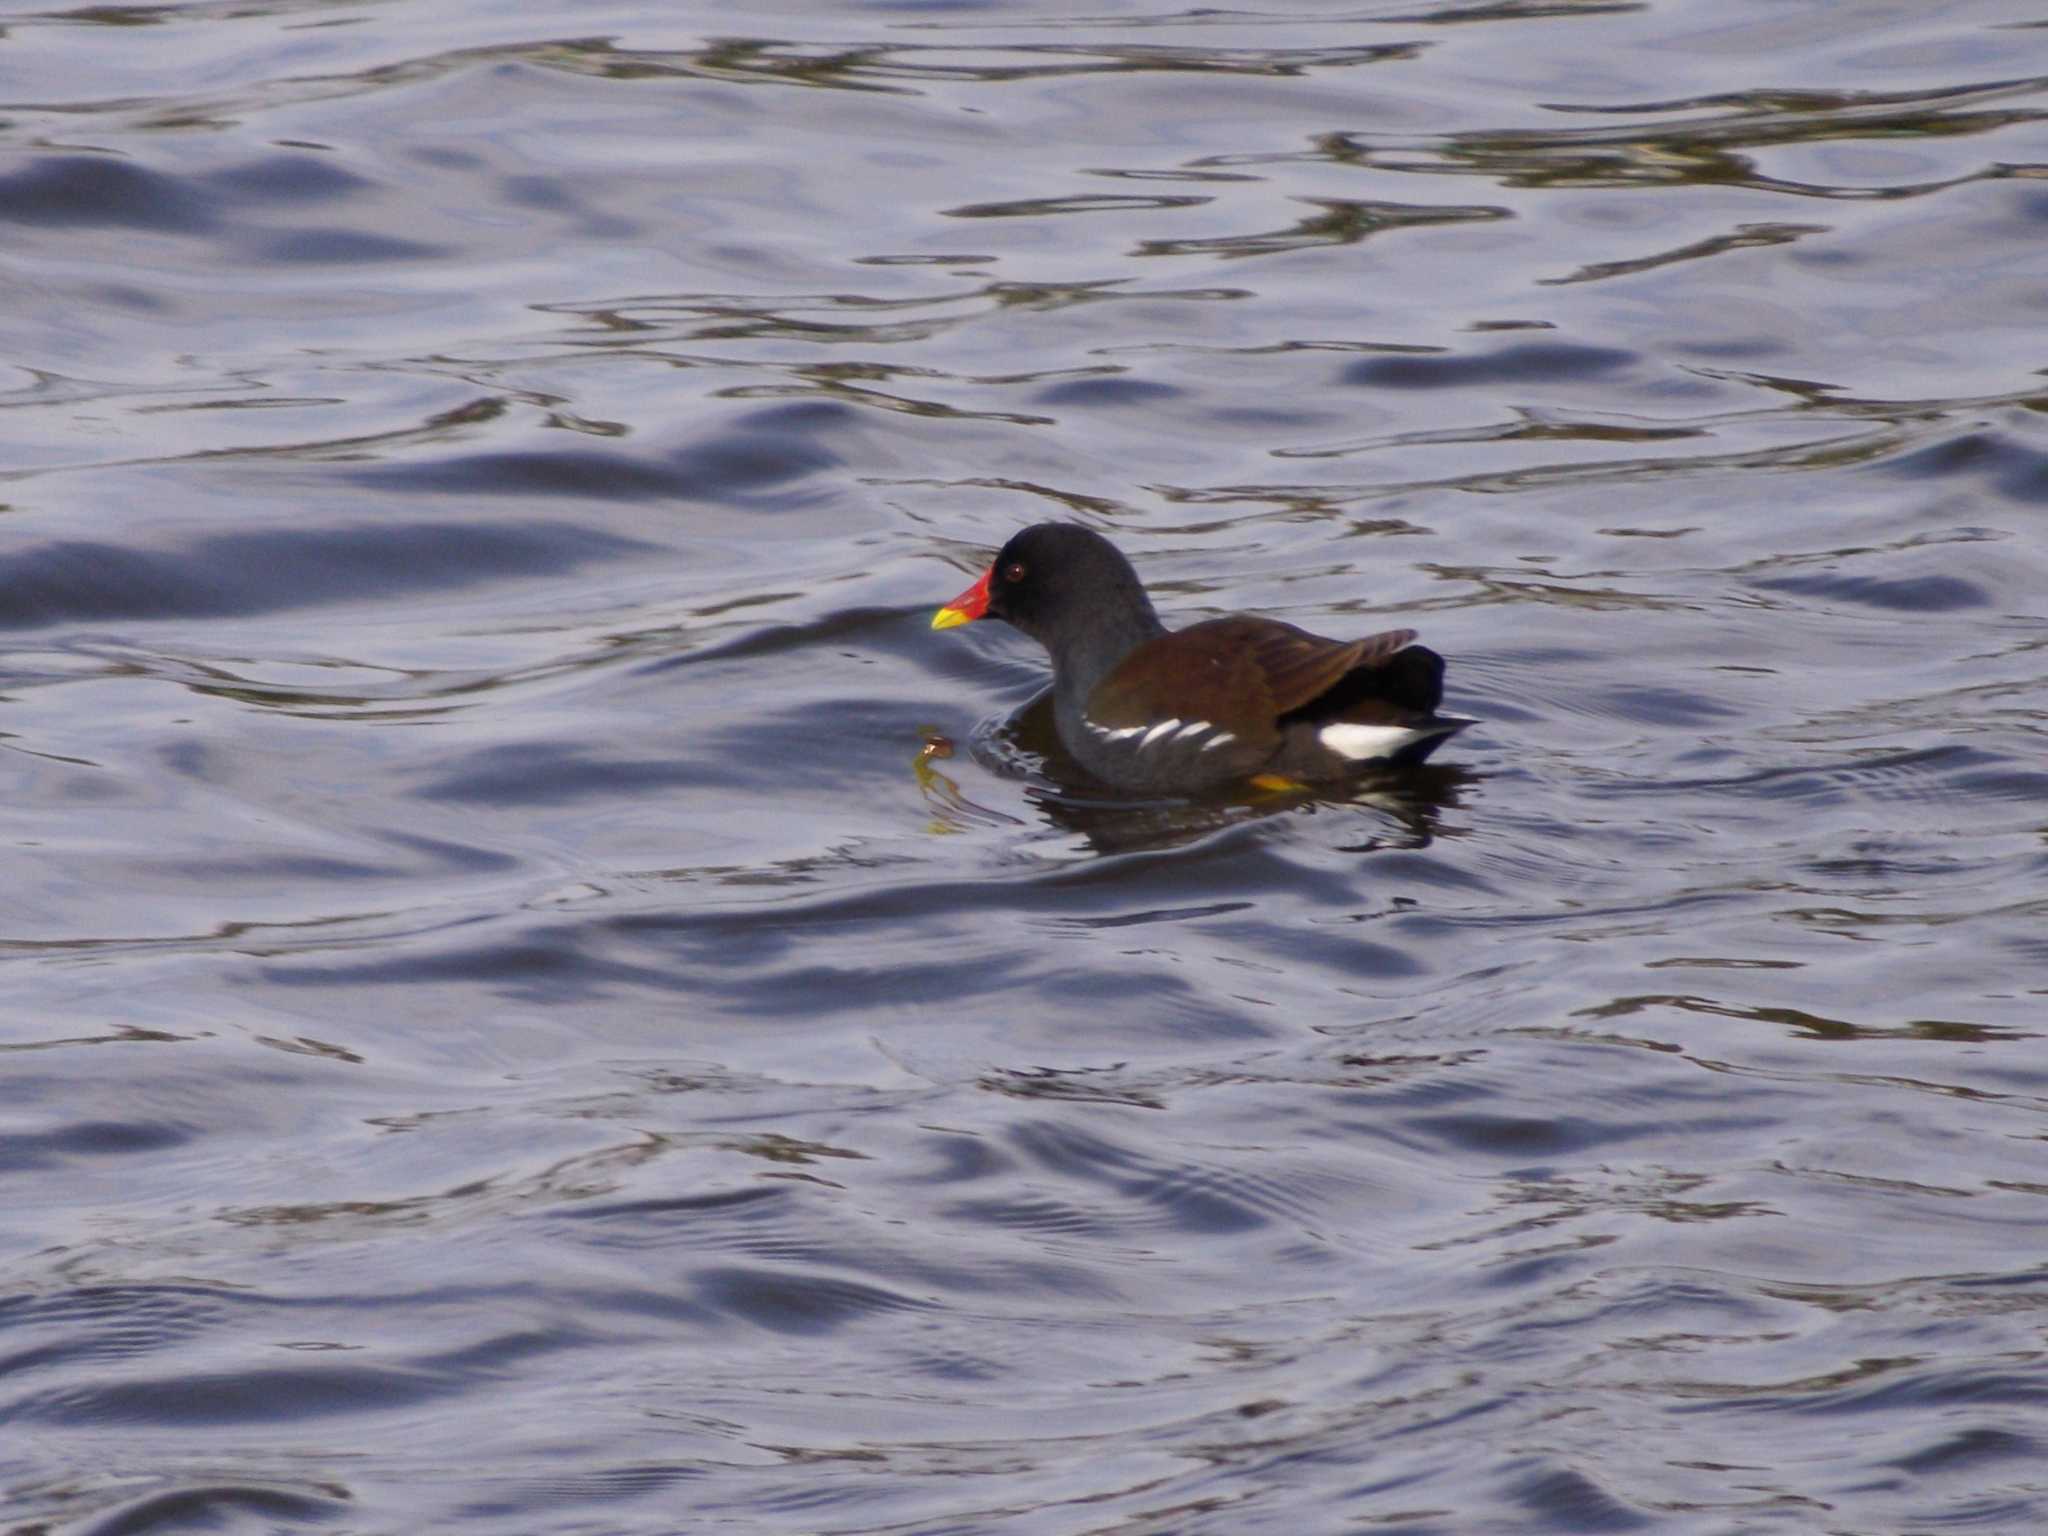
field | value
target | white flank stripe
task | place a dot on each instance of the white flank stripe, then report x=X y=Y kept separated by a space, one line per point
x=1221 y=741
x=1194 y=728
x=1359 y=742
x=1117 y=735
x=1163 y=728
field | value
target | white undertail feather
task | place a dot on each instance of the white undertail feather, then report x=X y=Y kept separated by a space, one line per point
x=1363 y=742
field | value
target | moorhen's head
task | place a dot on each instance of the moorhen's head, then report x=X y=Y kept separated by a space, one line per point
x=1057 y=582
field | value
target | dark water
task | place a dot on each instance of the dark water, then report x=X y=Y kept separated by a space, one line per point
x=505 y=1031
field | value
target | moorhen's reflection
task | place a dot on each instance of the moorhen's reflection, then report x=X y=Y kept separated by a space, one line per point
x=952 y=811
x=1116 y=822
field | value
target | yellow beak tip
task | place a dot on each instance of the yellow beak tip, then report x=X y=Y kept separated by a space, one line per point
x=949 y=618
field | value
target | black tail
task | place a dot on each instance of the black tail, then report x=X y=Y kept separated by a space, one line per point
x=1441 y=730
x=1408 y=679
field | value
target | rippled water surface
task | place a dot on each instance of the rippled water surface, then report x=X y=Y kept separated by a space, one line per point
x=540 y=997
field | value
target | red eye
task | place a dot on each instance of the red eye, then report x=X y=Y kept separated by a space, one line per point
x=1014 y=571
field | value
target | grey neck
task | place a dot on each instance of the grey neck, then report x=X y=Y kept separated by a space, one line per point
x=1083 y=655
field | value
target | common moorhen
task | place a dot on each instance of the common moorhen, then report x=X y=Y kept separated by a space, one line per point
x=1223 y=701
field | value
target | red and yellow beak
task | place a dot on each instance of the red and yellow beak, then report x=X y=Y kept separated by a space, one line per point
x=971 y=604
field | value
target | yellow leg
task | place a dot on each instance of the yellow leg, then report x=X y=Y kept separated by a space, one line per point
x=1275 y=783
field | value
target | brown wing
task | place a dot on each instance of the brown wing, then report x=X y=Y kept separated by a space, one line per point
x=1242 y=673
x=1300 y=667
